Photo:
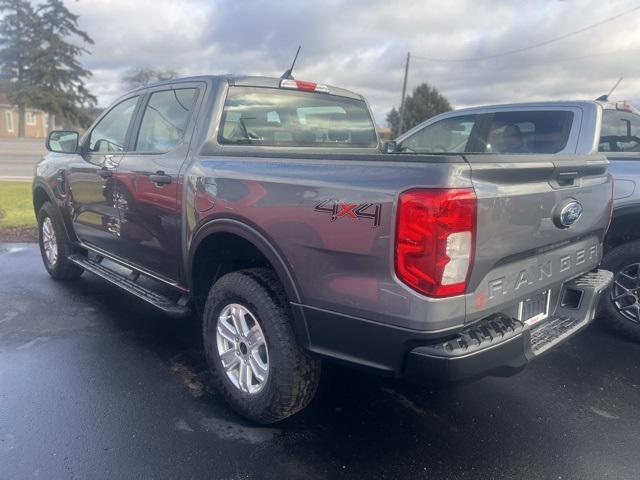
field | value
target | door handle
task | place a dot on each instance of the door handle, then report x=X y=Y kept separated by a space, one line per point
x=104 y=172
x=160 y=178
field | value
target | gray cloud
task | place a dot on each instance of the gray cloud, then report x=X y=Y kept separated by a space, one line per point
x=361 y=45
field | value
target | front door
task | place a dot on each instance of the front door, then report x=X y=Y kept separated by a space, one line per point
x=94 y=210
x=148 y=182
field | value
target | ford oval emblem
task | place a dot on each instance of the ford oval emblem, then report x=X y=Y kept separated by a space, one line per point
x=570 y=213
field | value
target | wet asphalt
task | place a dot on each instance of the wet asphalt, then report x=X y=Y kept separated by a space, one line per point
x=95 y=384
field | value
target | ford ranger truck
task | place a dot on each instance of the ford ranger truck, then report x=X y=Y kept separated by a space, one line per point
x=266 y=207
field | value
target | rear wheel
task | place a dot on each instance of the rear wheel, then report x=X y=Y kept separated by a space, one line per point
x=256 y=362
x=620 y=309
x=55 y=247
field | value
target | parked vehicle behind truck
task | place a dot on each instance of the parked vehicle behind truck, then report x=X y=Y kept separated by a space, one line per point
x=533 y=128
x=265 y=206
x=620 y=143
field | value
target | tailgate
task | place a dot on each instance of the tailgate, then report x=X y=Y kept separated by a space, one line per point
x=521 y=245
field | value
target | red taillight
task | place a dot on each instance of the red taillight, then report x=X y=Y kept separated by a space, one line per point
x=435 y=238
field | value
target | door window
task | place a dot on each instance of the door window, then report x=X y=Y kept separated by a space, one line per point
x=532 y=131
x=620 y=132
x=165 y=120
x=449 y=135
x=110 y=132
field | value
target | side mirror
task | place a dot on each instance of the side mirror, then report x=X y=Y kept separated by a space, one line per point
x=61 y=141
x=390 y=147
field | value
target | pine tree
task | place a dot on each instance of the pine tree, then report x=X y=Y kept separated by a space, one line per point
x=57 y=69
x=18 y=49
x=423 y=103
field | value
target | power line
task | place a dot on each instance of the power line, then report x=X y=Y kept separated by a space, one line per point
x=529 y=47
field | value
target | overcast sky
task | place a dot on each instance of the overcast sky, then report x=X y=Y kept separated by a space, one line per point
x=361 y=45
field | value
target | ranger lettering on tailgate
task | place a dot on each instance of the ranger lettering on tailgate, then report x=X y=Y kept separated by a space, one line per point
x=541 y=271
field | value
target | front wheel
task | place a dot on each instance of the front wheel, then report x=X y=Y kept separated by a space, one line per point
x=620 y=308
x=55 y=247
x=256 y=362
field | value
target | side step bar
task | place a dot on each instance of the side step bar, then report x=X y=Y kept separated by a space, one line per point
x=127 y=283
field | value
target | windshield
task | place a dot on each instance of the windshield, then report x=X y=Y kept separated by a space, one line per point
x=277 y=117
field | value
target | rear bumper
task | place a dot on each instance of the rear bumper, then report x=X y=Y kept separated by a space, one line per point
x=497 y=345
x=503 y=346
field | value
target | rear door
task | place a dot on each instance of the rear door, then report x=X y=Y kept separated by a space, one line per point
x=149 y=182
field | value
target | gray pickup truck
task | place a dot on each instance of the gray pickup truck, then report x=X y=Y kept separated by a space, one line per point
x=522 y=130
x=620 y=143
x=266 y=206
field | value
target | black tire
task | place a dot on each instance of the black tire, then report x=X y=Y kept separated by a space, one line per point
x=293 y=373
x=62 y=268
x=616 y=260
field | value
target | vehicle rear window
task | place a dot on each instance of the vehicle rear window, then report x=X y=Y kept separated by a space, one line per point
x=278 y=117
x=534 y=131
x=620 y=132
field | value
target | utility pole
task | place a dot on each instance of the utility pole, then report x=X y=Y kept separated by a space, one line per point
x=404 y=91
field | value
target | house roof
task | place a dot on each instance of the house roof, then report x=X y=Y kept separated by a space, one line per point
x=4 y=102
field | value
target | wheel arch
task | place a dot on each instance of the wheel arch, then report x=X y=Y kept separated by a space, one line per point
x=40 y=196
x=41 y=193
x=242 y=236
x=623 y=229
x=255 y=238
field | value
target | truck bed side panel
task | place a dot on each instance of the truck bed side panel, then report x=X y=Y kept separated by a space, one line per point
x=333 y=221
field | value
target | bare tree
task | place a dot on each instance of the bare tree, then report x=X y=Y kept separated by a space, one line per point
x=139 y=77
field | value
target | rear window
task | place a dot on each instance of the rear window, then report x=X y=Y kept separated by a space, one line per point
x=273 y=117
x=533 y=131
x=620 y=132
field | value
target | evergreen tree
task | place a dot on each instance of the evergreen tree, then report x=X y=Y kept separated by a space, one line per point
x=38 y=63
x=423 y=103
x=57 y=70
x=17 y=53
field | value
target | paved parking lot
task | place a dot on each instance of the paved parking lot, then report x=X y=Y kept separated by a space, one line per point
x=93 y=384
x=19 y=156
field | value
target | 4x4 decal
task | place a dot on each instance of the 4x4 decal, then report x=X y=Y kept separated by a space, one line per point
x=371 y=211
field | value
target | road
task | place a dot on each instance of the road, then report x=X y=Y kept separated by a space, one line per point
x=18 y=157
x=94 y=384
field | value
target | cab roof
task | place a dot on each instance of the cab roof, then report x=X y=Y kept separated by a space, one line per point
x=249 y=81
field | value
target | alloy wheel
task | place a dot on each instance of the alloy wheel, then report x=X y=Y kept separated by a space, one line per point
x=242 y=348
x=625 y=292
x=49 y=242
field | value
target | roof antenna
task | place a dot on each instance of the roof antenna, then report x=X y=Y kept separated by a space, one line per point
x=605 y=98
x=287 y=74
